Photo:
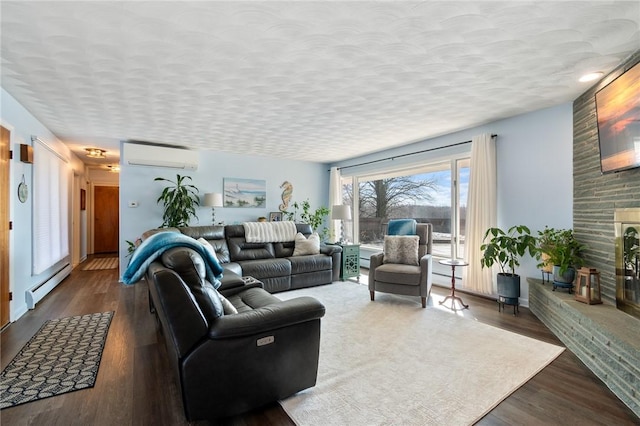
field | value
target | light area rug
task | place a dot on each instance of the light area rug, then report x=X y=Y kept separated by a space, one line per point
x=63 y=356
x=101 y=263
x=390 y=362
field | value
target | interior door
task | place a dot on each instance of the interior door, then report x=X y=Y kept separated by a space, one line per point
x=4 y=226
x=106 y=219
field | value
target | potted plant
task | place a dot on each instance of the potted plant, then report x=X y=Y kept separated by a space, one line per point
x=180 y=200
x=545 y=242
x=315 y=218
x=564 y=252
x=505 y=249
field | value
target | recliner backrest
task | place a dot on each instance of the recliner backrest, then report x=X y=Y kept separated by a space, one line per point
x=286 y=249
x=214 y=234
x=240 y=249
x=424 y=231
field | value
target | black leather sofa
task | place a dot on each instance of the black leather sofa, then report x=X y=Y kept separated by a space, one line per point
x=230 y=364
x=271 y=263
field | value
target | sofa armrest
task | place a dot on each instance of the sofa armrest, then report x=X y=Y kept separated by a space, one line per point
x=230 y=280
x=426 y=270
x=330 y=249
x=267 y=318
x=374 y=261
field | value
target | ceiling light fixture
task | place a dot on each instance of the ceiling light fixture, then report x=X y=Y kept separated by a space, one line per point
x=96 y=153
x=114 y=168
x=590 y=77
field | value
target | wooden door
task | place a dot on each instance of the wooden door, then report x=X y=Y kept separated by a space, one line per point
x=106 y=219
x=4 y=227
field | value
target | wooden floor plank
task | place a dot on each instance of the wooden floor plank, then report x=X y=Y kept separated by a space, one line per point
x=135 y=384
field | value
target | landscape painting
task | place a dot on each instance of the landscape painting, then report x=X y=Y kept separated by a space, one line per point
x=245 y=192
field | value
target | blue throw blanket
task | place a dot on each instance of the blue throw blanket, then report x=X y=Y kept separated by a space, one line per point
x=155 y=245
x=401 y=227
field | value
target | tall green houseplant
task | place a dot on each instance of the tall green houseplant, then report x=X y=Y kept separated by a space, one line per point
x=506 y=249
x=179 y=200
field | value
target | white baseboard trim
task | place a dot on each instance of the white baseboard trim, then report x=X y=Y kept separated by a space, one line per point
x=36 y=293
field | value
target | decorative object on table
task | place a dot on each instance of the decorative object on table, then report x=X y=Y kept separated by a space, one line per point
x=40 y=370
x=588 y=286
x=453 y=263
x=213 y=200
x=262 y=219
x=350 y=266
x=287 y=193
x=275 y=216
x=179 y=200
x=341 y=212
x=559 y=248
x=240 y=192
x=315 y=218
x=505 y=249
x=23 y=191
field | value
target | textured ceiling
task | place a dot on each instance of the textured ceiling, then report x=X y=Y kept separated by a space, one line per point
x=320 y=81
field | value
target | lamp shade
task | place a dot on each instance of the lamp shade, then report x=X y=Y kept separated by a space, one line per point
x=212 y=199
x=341 y=212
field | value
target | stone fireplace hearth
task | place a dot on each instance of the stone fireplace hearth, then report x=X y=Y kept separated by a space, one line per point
x=603 y=337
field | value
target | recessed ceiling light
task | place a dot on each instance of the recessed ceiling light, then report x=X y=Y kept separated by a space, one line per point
x=96 y=153
x=590 y=77
x=114 y=168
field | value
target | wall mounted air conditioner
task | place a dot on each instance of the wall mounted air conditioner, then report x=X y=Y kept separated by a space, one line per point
x=159 y=156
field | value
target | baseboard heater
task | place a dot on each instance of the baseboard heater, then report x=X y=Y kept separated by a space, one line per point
x=35 y=294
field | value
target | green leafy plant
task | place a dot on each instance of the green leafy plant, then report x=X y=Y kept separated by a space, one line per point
x=132 y=245
x=314 y=218
x=631 y=251
x=561 y=249
x=506 y=248
x=179 y=200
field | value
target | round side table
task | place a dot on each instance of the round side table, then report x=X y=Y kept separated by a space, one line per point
x=453 y=263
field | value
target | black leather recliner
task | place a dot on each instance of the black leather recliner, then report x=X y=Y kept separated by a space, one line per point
x=233 y=363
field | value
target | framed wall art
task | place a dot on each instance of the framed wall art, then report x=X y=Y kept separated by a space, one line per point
x=240 y=192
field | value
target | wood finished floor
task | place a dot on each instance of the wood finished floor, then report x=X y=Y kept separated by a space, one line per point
x=135 y=387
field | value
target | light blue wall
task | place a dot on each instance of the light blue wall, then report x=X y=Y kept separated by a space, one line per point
x=310 y=181
x=22 y=126
x=535 y=162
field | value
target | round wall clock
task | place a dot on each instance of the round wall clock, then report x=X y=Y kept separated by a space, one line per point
x=23 y=191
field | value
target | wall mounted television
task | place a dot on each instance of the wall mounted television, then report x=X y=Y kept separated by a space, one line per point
x=618 y=115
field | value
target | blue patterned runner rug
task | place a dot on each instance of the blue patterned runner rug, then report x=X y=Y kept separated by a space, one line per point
x=63 y=356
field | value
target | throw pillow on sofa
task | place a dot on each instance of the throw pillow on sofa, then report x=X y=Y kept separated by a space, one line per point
x=305 y=245
x=401 y=249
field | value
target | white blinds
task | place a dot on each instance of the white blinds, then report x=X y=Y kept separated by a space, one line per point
x=50 y=208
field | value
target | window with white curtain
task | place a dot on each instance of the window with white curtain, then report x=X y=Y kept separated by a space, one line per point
x=430 y=192
x=50 y=207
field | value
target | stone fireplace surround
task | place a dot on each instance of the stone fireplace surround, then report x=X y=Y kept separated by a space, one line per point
x=606 y=339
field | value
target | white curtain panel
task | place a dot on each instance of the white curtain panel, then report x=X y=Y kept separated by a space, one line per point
x=335 y=197
x=481 y=213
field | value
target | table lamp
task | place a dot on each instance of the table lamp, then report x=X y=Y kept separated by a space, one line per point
x=341 y=212
x=213 y=200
